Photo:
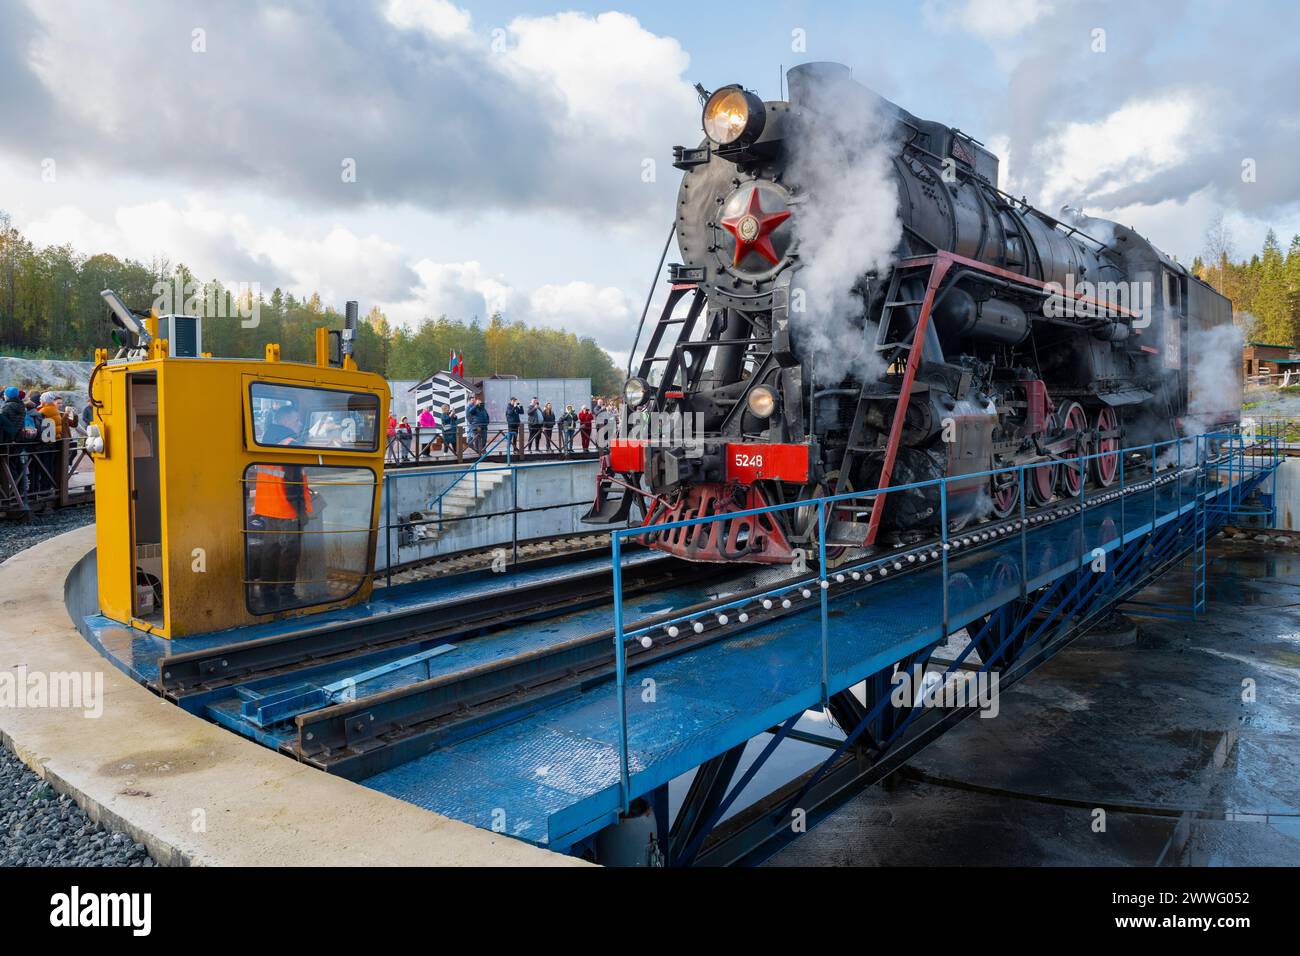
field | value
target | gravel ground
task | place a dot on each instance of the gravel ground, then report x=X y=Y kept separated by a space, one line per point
x=39 y=827
x=16 y=536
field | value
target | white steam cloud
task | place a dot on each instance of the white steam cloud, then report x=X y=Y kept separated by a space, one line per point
x=1214 y=377
x=847 y=224
x=1103 y=230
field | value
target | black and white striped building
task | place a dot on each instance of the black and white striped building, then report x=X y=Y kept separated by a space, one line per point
x=443 y=388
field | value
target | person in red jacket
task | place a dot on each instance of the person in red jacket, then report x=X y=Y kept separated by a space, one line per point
x=585 y=418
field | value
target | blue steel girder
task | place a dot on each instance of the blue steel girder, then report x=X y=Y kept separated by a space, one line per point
x=1080 y=592
x=1086 y=594
x=707 y=791
x=693 y=847
x=848 y=712
x=995 y=629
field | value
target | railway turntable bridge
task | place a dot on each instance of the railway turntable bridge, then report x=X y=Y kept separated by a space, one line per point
x=630 y=707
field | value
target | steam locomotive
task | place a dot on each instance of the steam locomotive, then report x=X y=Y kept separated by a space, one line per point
x=995 y=336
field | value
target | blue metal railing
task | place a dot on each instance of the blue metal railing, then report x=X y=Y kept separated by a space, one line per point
x=472 y=470
x=1235 y=463
x=397 y=525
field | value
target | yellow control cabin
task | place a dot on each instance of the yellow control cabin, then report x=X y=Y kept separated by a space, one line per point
x=233 y=491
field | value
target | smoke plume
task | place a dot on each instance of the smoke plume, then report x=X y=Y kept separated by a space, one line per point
x=847 y=223
x=1214 y=377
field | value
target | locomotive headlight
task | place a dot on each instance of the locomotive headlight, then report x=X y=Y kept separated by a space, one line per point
x=762 y=401
x=734 y=116
x=634 y=392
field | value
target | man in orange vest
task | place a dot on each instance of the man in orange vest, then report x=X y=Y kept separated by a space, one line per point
x=281 y=504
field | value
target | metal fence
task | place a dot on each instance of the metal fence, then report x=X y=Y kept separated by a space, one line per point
x=401 y=530
x=426 y=446
x=45 y=474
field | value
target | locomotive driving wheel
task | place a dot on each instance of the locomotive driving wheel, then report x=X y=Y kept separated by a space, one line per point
x=1105 y=468
x=1040 y=482
x=1072 y=418
x=835 y=554
x=1004 y=490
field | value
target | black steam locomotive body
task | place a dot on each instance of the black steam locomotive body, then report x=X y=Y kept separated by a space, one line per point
x=997 y=336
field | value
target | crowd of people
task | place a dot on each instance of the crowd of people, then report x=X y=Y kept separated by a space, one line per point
x=32 y=423
x=536 y=428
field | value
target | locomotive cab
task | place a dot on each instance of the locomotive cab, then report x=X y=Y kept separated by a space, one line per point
x=233 y=491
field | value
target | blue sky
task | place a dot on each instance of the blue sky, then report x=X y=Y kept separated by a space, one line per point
x=499 y=145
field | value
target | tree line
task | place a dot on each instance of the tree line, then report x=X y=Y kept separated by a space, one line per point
x=50 y=307
x=1264 y=289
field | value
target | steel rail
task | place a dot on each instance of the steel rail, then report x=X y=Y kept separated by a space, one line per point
x=200 y=671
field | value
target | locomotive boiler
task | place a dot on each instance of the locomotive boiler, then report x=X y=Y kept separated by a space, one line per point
x=995 y=336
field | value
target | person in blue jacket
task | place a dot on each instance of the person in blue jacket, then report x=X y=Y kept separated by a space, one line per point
x=13 y=420
x=514 y=413
x=477 y=420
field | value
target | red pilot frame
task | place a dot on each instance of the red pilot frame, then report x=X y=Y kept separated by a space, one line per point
x=756 y=538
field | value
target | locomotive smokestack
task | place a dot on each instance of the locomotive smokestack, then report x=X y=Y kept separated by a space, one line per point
x=805 y=78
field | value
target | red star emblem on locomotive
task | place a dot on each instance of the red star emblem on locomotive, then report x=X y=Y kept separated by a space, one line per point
x=753 y=230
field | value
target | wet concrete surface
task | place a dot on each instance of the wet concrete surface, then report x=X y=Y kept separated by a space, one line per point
x=1188 y=739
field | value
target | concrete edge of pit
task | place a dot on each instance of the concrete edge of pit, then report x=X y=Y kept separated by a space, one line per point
x=191 y=792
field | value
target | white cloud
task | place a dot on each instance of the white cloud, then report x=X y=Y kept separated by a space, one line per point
x=465 y=290
x=1178 y=226
x=235 y=248
x=559 y=118
x=70 y=225
x=582 y=308
x=989 y=19
x=1000 y=145
x=458 y=290
x=1128 y=146
x=438 y=18
x=615 y=79
x=238 y=175
x=1140 y=120
x=302 y=257
x=339 y=264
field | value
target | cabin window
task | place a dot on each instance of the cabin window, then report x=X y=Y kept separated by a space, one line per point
x=314 y=417
x=1173 y=297
x=307 y=534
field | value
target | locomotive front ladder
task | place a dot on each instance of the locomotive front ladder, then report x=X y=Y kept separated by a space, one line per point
x=667 y=319
x=935 y=267
x=614 y=497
